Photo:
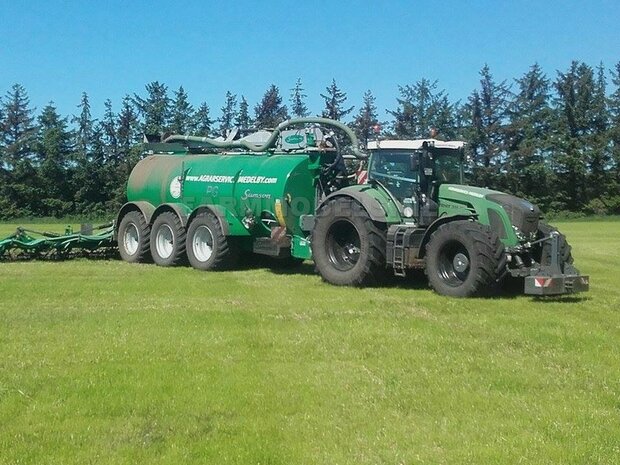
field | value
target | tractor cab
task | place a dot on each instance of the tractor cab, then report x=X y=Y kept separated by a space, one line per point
x=412 y=170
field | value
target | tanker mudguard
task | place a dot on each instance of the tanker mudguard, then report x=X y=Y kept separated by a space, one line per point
x=146 y=208
x=228 y=222
x=370 y=204
x=181 y=210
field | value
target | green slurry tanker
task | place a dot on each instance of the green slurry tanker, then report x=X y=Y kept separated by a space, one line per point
x=289 y=194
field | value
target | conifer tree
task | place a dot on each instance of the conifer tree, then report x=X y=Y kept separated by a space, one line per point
x=270 y=111
x=182 y=113
x=203 y=123
x=53 y=153
x=243 y=119
x=297 y=101
x=529 y=138
x=421 y=108
x=335 y=100
x=229 y=113
x=154 y=108
x=366 y=120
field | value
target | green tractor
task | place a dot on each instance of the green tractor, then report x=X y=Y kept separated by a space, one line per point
x=413 y=212
x=288 y=194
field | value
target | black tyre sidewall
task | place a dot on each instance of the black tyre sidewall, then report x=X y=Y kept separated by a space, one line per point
x=223 y=254
x=483 y=258
x=178 y=239
x=136 y=219
x=371 y=260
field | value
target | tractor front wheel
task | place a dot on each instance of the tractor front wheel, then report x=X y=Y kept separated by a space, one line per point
x=347 y=246
x=464 y=258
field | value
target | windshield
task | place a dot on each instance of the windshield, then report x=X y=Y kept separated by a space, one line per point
x=396 y=170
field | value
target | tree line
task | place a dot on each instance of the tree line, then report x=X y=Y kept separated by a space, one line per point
x=555 y=141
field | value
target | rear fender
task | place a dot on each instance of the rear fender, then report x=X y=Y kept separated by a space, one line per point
x=370 y=204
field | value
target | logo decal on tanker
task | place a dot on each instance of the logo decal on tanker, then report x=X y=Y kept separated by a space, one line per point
x=231 y=179
x=248 y=194
x=175 y=187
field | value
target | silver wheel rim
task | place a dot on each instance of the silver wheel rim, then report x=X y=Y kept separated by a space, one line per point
x=202 y=243
x=164 y=242
x=131 y=239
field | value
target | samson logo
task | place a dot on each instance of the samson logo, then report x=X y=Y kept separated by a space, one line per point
x=294 y=139
x=248 y=194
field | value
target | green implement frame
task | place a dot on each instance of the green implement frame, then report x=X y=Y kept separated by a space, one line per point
x=26 y=243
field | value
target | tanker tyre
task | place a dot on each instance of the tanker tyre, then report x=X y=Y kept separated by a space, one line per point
x=464 y=259
x=208 y=248
x=167 y=240
x=133 y=238
x=348 y=248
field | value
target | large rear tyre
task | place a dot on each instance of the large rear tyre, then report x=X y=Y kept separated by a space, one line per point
x=347 y=246
x=207 y=246
x=167 y=240
x=133 y=238
x=464 y=258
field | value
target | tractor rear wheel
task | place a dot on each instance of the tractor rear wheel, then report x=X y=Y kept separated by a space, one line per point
x=133 y=238
x=464 y=258
x=167 y=240
x=347 y=246
x=207 y=246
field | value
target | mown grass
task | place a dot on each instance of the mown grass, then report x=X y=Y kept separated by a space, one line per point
x=106 y=362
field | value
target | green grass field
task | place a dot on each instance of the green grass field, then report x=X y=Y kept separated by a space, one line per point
x=106 y=362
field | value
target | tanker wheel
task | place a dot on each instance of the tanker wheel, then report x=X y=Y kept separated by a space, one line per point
x=208 y=247
x=464 y=258
x=133 y=238
x=167 y=240
x=348 y=248
x=543 y=254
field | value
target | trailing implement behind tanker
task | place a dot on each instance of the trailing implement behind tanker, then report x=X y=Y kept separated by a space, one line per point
x=288 y=194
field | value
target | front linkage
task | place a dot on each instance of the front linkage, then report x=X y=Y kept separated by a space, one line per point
x=556 y=278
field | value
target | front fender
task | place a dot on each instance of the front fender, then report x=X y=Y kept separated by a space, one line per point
x=435 y=224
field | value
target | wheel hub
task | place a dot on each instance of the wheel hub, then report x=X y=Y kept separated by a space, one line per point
x=460 y=262
x=202 y=244
x=130 y=239
x=164 y=242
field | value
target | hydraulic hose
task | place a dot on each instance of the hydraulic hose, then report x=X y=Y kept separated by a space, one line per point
x=274 y=137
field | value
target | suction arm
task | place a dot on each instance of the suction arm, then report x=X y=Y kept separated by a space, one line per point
x=274 y=137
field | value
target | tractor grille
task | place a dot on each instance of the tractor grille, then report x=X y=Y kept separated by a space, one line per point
x=522 y=213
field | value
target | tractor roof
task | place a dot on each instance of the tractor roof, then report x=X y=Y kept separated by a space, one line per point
x=416 y=144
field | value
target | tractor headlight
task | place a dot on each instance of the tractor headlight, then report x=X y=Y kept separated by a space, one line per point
x=407 y=212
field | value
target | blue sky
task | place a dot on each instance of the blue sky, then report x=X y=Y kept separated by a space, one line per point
x=59 y=49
